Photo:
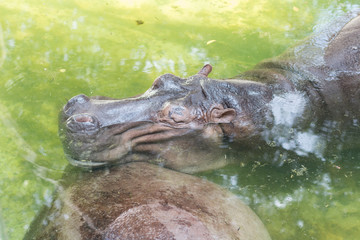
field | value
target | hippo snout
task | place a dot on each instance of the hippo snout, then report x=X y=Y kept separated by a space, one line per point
x=75 y=103
x=82 y=123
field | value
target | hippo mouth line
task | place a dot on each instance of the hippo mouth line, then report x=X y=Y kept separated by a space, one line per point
x=84 y=163
x=110 y=144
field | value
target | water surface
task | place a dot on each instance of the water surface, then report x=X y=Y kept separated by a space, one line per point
x=53 y=50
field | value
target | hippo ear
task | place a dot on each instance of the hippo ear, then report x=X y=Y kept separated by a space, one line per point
x=206 y=70
x=219 y=114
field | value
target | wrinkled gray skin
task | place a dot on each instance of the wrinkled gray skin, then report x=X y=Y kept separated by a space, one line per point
x=291 y=102
x=143 y=201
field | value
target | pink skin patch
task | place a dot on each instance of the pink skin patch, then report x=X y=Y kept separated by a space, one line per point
x=157 y=221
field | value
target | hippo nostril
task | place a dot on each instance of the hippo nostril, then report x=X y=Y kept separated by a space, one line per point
x=83 y=118
x=82 y=123
x=74 y=102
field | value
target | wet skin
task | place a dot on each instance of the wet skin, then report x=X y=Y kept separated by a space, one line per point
x=190 y=124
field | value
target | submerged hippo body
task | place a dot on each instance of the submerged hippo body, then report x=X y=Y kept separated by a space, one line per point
x=190 y=124
x=144 y=201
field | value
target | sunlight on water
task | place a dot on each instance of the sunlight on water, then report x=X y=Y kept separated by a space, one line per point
x=53 y=50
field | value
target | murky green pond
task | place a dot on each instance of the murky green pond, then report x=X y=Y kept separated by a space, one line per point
x=53 y=50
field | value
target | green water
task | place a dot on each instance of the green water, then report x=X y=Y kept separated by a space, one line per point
x=53 y=50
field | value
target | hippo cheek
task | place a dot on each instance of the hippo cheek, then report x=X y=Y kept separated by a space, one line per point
x=147 y=140
x=188 y=153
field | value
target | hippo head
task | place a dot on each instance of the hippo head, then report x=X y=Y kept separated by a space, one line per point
x=179 y=123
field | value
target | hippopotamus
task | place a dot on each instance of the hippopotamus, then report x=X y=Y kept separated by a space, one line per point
x=292 y=102
x=144 y=201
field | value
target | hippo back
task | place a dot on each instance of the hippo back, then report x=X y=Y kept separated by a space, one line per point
x=144 y=201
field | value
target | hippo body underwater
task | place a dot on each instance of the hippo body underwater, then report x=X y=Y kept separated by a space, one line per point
x=294 y=101
x=143 y=201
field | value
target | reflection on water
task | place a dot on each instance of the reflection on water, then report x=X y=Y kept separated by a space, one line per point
x=322 y=198
x=53 y=50
x=287 y=110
